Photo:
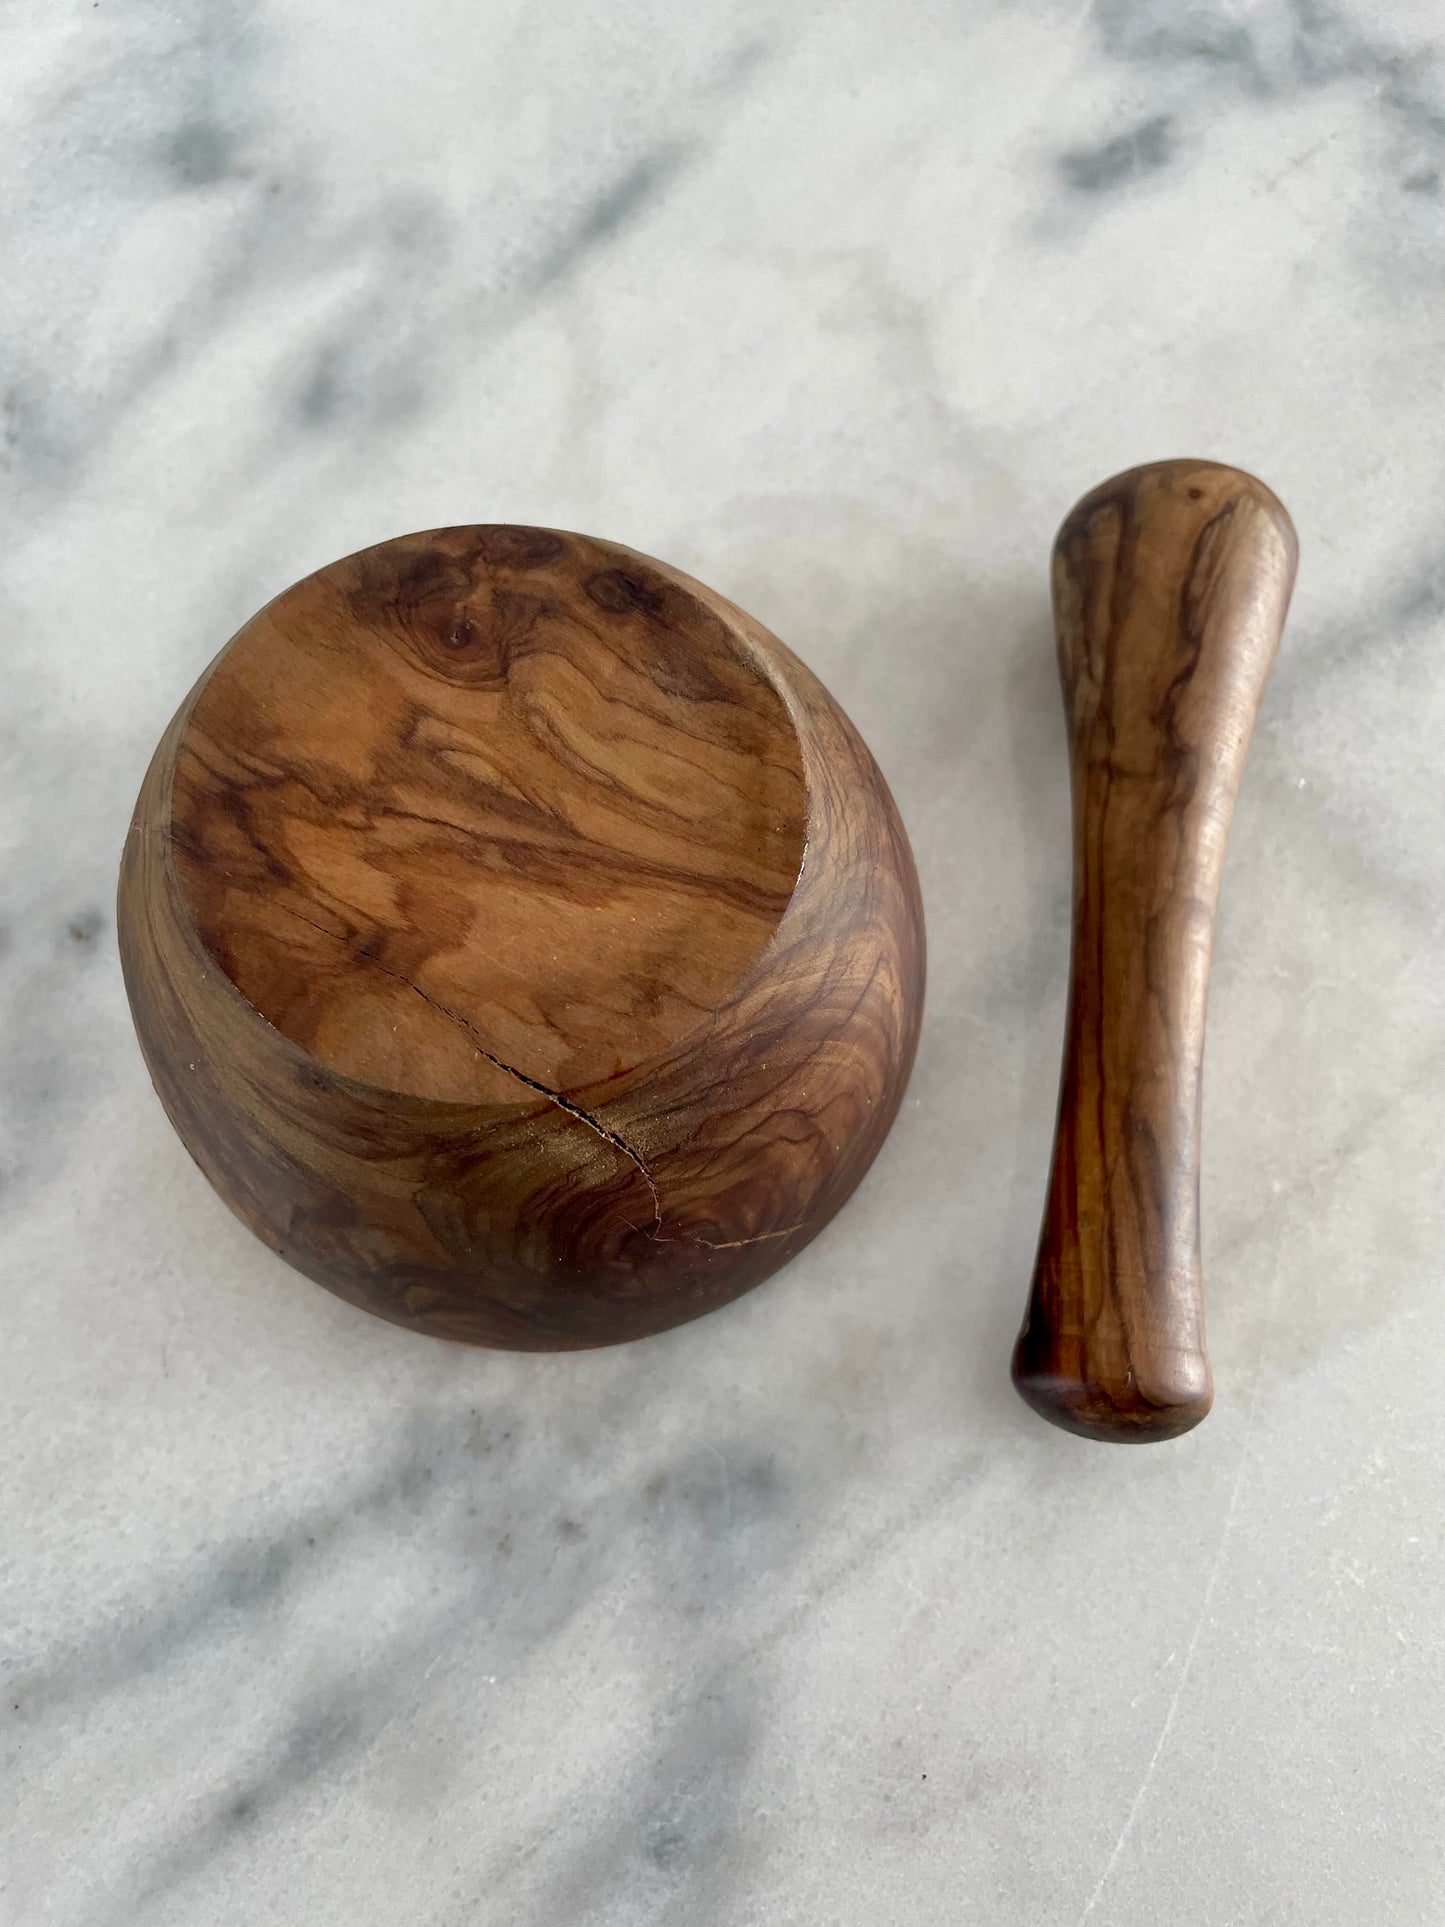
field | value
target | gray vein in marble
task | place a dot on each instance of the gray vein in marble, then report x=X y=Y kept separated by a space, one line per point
x=718 y=1521
x=433 y=1456
x=211 y=53
x=667 y=1826
x=1143 y=150
x=316 y=1741
x=610 y=211
x=40 y=1075
x=713 y=1695
x=1287 y=48
x=387 y=356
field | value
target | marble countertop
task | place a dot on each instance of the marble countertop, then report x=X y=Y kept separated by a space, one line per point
x=795 y=1615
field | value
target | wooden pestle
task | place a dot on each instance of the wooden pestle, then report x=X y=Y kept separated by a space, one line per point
x=1170 y=588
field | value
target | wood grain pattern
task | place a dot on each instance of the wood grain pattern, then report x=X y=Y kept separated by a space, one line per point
x=1171 y=585
x=521 y=939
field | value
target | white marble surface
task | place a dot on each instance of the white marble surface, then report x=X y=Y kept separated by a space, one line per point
x=796 y=1615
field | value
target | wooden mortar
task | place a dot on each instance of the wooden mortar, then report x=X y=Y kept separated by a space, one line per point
x=521 y=940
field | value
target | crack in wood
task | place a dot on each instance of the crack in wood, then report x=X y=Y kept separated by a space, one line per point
x=474 y=1038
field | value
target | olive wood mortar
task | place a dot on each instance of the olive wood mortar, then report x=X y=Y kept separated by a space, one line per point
x=1170 y=587
x=521 y=940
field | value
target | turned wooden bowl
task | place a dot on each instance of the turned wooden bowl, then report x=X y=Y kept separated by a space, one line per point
x=521 y=940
